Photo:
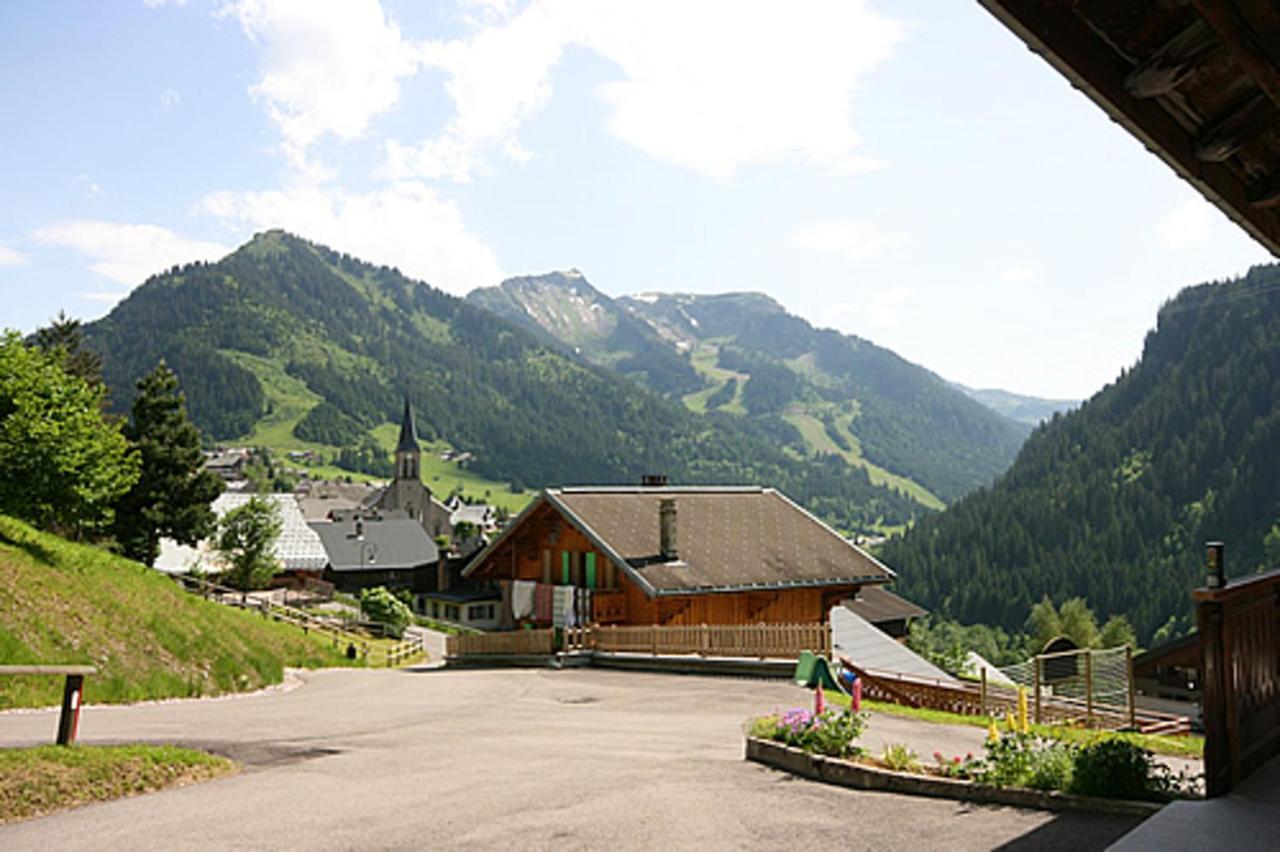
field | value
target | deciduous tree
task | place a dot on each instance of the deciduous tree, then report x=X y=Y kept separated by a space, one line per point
x=246 y=540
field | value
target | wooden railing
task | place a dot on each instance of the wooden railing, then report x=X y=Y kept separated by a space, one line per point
x=1240 y=673
x=785 y=641
x=72 y=694
x=410 y=648
x=513 y=643
x=277 y=612
x=978 y=699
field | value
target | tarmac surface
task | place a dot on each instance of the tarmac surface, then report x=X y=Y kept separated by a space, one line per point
x=514 y=759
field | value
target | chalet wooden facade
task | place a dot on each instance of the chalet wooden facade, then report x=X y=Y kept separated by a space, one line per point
x=677 y=556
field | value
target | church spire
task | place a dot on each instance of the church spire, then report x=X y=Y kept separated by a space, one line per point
x=408 y=434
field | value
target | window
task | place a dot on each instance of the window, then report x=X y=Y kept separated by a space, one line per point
x=451 y=613
x=482 y=612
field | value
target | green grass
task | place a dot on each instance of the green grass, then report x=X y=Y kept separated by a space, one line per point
x=705 y=360
x=1190 y=746
x=68 y=603
x=36 y=781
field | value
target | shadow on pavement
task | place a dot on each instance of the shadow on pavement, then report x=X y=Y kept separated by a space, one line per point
x=1074 y=831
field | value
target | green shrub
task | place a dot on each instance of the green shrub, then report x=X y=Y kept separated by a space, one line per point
x=1026 y=760
x=898 y=757
x=1118 y=769
x=380 y=605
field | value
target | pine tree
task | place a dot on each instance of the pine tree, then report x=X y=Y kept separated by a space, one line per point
x=63 y=338
x=171 y=499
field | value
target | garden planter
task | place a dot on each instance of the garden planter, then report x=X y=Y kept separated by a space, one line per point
x=861 y=776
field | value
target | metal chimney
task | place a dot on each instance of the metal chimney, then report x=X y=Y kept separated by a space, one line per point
x=667 y=529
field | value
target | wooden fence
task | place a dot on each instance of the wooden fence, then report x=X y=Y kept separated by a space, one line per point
x=1240 y=672
x=277 y=612
x=984 y=699
x=785 y=641
x=762 y=641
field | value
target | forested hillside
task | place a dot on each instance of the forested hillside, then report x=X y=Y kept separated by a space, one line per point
x=814 y=390
x=285 y=324
x=1114 y=501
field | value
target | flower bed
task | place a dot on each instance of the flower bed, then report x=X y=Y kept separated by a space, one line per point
x=1018 y=768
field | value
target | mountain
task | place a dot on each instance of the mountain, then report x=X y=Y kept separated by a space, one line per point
x=564 y=310
x=286 y=340
x=1031 y=410
x=1114 y=500
x=816 y=390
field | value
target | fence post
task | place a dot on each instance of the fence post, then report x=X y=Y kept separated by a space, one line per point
x=982 y=692
x=69 y=721
x=1088 y=688
x=705 y=644
x=1128 y=671
x=1039 y=664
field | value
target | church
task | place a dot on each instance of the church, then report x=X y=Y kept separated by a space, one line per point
x=406 y=493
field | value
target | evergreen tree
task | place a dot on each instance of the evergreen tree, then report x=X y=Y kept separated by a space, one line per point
x=63 y=465
x=171 y=498
x=63 y=337
x=1117 y=632
x=246 y=540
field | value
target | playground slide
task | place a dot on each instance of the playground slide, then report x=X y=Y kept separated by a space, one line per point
x=812 y=670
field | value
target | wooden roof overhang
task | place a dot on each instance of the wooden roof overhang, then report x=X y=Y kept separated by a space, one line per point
x=1196 y=81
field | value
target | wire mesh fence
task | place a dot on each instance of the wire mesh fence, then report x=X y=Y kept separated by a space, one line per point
x=1095 y=686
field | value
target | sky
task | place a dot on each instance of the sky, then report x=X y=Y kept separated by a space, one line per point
x=906 y=172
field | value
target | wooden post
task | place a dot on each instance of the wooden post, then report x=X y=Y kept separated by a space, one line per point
x=1039 y=665
x=705 y=644
x=982 y=692
x=1088 y=688
x=1128 y=668
x=69 y=721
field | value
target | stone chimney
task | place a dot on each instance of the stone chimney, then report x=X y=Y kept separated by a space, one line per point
x=667 y=529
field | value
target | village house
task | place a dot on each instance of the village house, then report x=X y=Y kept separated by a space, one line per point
x=367 y=549
x=670 y=556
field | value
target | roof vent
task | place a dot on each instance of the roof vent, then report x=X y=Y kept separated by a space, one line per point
x=654 y=480
x=667 y=529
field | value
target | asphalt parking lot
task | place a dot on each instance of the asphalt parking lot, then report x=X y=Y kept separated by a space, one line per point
x=512 y=759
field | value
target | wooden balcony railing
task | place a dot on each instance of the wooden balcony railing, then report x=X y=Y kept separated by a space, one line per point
x=1240 y=672
x=608 y=607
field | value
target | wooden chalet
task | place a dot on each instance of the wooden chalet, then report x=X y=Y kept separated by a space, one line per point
x=677 y=556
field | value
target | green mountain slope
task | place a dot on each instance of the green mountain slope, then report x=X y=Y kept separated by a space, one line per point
x=817 y=390
x=1114 y=501
x=286 y=332
x=70 y=603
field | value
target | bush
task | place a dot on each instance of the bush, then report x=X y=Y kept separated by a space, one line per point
x=1025 y=760
x=1118 y=769
x=832 y=733
x=380 y=605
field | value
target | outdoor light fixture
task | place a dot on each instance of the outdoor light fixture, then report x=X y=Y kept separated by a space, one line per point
x=1215 y=564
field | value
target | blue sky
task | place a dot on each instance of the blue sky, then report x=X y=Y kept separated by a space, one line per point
x=906 y=172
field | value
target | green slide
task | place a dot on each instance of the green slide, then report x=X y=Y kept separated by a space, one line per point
x=812 y=670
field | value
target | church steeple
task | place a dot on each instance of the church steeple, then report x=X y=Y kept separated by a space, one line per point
x=407 y=449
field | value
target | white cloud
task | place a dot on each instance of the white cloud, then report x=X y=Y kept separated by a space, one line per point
x=709 y=86
x=1017 y=274
x=169 y=101
x=330 y=66
x=127 y=253
x=852 y=239
x=9 y=257
x=1186 y=225
x=104 y=296
x=405 y=224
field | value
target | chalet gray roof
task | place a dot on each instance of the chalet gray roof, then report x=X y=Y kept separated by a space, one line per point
x=728 y=539
x=878 y=605
x=397 y=543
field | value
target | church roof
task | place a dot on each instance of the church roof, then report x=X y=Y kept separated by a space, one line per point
x=408 y=434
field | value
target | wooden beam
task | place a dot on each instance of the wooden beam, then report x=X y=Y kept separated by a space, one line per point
x=1065 y=41
x=1221 y=139
x=1164 y=70
x=1246 y=44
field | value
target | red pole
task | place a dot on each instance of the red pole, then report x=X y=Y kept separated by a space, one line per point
x=72 y=698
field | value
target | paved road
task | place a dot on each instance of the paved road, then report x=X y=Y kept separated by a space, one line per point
x=527 y=759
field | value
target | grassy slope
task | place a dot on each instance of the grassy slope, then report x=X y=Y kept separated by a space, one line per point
x=36 y=781
x=62 y=602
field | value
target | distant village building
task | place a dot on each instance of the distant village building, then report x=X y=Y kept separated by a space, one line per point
x=298 y=549
x=406 y=492
x=322 y=500
x=367 y=549
x=229 y=464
